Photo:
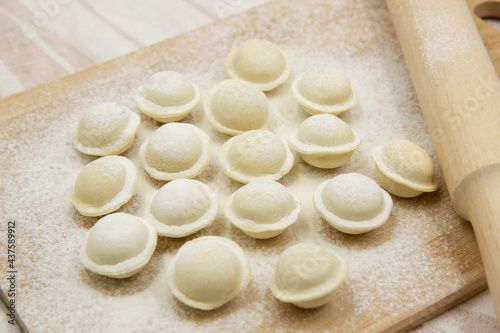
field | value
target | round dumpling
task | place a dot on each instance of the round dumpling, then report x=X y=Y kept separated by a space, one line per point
x=262 y=208
x=106 y=129
x=104 y=185
x=175 y=150
x=182 y=207
x=324 y=90
x=119 y=245
x=234 y=107
x=404 y=168
x=308 y=275
x=257 y=154
x=325 y=130
x=208 y=272
x=325 y=141
x=167 y=96
x=352 y=203
x=259 y=62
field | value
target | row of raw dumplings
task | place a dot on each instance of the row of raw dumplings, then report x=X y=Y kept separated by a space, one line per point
x=104 y=185
x=238 y=105
x=351 y=203
x=209 y=271
x=232 y=107
x=235 y=106
x=180 y=150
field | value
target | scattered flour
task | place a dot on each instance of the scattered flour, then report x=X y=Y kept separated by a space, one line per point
x=397 y=268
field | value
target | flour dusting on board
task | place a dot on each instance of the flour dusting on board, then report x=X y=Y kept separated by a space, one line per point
x=444 y=38
x=398 y=268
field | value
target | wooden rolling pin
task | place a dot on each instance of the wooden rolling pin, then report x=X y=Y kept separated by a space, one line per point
x=459 y=93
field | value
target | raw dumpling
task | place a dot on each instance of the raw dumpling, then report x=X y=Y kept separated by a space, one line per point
x=235 y=106
x=404 y=168
x=324 y=90
x=325 y=141
x=119 y=245
x=262 y=208
x=175 y=150
x=259 y=62
x=257 y=154
x=208 y=272
x=167 y=96
x=308 y=275
x=182 y=207
x=106 y=129
x=104 y=185
x=352 y=203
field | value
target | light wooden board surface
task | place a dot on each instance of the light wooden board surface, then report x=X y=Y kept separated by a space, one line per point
x=449 y=64
x=30 y=116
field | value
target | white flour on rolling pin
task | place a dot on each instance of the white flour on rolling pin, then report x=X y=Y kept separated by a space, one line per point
x=388 y=266
x=444 y=39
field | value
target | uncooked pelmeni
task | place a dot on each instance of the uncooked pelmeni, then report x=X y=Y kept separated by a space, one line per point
x=175 y=150
x=208 y=272
x=104 y=185
x=118 y=245
x=404 y=168
x=308 y=275
x=259 y=62
x=106 y=129
x=325 y=141
x=324 y=90
x=262 y=208
x=352 y=203
x=182 y=207
x=257 y=154
x=167 y=96
x=235 y=106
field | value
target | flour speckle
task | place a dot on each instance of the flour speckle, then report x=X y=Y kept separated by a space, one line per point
x=397 y=269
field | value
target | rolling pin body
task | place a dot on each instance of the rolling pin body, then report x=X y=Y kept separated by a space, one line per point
x=459 y=93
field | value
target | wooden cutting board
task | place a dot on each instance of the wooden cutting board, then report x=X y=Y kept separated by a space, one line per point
x=28 y=121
